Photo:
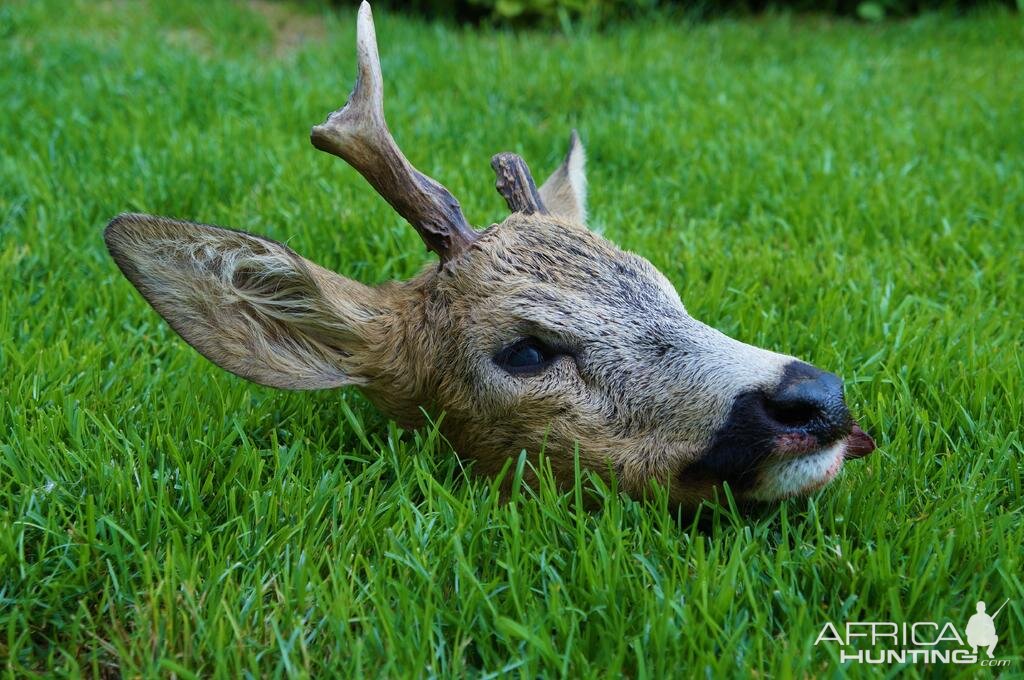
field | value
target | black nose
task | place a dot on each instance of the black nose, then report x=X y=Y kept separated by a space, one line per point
x=803 y=413
x=808 y=400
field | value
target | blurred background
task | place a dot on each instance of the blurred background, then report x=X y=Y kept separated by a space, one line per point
x=603 y=12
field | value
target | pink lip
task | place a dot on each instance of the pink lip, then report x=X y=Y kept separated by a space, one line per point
x=858 y=443
x=796 y=444
x=793 y=444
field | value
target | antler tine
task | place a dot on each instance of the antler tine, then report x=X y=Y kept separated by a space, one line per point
x=359 y=135
x=515 y=184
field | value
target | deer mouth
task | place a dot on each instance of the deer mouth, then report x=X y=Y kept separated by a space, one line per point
x=802 y=466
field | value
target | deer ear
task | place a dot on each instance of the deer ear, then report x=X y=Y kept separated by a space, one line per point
x=251 y=305
x=565 y=191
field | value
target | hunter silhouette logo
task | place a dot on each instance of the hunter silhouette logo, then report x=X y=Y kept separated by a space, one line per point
x=930 y=642
x=981 y=629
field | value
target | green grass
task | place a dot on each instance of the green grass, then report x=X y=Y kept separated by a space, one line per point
x=850 y=194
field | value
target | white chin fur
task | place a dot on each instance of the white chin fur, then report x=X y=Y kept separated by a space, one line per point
x=799 y=476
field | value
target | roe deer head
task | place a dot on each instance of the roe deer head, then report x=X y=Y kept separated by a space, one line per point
x=533 y=333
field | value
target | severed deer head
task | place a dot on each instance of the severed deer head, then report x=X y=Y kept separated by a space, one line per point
x=533 y=334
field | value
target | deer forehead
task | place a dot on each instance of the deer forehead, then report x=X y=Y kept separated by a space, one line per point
x=556 y=275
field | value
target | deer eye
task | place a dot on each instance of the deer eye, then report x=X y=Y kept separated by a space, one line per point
x=528 y=355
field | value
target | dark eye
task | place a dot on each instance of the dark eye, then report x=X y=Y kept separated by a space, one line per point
x=528 y=355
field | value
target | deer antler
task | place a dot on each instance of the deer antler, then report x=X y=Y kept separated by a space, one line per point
x=359 y=135
x=516 y=185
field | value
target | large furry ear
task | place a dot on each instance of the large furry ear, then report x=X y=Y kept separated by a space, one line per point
x=251 y=305
x=565 y=191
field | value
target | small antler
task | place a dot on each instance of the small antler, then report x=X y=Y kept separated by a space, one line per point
x=515 y=183
x=359 y=134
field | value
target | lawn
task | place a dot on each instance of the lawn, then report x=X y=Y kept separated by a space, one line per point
x=852 y=194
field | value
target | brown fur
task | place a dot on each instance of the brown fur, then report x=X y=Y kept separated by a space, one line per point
x=642 y=394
